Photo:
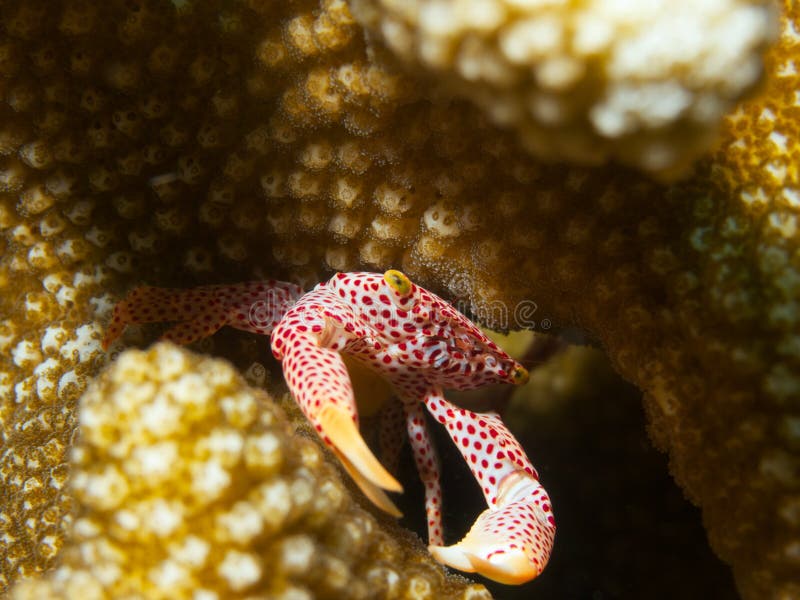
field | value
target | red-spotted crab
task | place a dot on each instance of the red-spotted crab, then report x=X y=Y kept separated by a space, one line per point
x=421 y=345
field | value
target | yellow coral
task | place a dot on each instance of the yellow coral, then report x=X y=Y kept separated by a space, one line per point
x=218 y=141
x=188 y=484
x=643 y=83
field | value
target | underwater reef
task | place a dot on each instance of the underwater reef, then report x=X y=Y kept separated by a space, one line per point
x=202 y=142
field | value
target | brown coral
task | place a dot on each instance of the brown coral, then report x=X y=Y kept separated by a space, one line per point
x=250 y=509
x=196 y=143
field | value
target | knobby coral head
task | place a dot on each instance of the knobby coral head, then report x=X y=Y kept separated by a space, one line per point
x=253 y=508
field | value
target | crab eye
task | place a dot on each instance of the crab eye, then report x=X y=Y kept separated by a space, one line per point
x=520 y=375
x=398 y=282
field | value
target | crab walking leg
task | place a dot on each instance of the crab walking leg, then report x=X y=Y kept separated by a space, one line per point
x=255 y=306
x=318 y=379
x=428 y=468
x=391 y=434
x=511 y=541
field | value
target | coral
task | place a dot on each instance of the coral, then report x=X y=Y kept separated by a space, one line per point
x=218 y=141
x=251 y=510
x=642 y=83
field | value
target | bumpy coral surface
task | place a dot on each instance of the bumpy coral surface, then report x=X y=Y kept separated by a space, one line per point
x=190 y=485
x=147 y=142
x=645 y=83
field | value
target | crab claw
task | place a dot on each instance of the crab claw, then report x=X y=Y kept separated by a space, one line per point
x=342 y=435
x=511 y=540
x=318 y=379
x=510 y=544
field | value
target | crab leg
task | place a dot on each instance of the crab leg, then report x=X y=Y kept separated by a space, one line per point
x=511 y=541
x=428 y=468
x=424 y=451
x=307 y=342
x=255 y=306
x=391 y=434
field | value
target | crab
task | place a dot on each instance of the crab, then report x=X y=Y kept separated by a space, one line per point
x=421 y=345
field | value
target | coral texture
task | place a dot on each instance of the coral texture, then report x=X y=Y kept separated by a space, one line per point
x=644 y=83
x=201 y=142
x=251 y=509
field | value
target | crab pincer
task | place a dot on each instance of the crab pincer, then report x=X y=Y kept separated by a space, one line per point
x=511 y=540
x=307 y=342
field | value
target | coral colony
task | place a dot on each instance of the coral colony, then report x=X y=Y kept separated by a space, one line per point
x=641 y=191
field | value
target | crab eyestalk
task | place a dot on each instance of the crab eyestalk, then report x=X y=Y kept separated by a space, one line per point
x=519 y=375
x=400 y=288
